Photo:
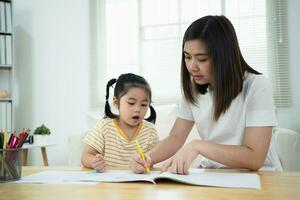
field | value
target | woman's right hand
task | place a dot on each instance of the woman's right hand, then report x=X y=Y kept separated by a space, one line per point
x=98 y=163
x=181 y=161
x=138 y=165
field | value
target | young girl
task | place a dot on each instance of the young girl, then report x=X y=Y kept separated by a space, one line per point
x=229 y=102
x=111 y=142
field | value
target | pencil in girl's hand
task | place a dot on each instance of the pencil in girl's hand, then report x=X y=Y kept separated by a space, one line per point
x=140 y=150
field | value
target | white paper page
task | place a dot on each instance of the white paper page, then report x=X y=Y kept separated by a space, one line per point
x=56 y=177
x=196 y=177
x=117 y=176
x=218 y=179
x=114 y=176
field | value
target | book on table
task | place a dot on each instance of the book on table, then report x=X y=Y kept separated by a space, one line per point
x=198 y=177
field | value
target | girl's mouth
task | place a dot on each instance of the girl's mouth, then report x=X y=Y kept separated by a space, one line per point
x=136 y=117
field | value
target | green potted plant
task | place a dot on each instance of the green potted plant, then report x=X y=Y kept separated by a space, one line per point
x=41 y=134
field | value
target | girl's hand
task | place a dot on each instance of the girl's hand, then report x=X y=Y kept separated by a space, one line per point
x=138 y=165
x=98 y=163
x=181 y=161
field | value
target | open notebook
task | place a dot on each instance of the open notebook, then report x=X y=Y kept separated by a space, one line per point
x=199 y=177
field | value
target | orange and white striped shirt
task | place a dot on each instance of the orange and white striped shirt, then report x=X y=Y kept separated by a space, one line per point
x=111 y=142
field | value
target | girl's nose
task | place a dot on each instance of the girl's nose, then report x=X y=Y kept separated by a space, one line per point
x=137 y=109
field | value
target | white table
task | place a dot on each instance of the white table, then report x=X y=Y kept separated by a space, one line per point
x=26 y=147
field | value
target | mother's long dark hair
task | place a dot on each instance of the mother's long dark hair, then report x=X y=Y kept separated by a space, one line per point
x=228 y=64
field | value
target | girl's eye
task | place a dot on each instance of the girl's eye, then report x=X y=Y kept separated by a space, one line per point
x=144 y=105
x=187 y=57
x=130 y=103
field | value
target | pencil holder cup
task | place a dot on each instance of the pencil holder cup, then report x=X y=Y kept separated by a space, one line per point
x=10 y=164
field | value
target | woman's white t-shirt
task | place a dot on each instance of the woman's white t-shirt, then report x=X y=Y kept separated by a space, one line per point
x=251 y=108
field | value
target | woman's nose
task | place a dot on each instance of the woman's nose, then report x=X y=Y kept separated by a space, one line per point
x=194 y=65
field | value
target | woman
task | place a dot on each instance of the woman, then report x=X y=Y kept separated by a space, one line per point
x=229 y=102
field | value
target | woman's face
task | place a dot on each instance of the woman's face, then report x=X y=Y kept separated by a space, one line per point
x=198 y=62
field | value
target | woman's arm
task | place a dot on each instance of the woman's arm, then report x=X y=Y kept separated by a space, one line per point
x=170 y=145
x=165 y=148
x=251 y=154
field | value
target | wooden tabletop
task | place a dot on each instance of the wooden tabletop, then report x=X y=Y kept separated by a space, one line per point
x=275 y=185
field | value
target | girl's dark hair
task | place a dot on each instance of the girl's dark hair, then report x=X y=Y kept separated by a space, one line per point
x=228 y=64
x=123 y=84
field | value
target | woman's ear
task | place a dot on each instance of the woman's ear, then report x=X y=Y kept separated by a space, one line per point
x=116 y=103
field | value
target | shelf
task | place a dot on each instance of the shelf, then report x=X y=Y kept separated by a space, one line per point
x=5 y=67
x=5 y=100
x=5 y=33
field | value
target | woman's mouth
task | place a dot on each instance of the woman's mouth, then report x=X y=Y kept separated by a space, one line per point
x=198 y=78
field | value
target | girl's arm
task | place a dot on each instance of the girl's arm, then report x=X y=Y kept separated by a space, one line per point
x=88 y=155
x=92 y=159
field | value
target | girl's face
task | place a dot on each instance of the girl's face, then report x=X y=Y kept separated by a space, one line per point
x=133 y=106
x=198 y=62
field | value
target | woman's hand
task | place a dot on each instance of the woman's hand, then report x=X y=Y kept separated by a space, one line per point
x=98 y=163
x=181 y=161
x=138 y=165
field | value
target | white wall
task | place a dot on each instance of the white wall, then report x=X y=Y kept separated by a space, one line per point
x=54 y=51
x=289 y=117
x=51 y=76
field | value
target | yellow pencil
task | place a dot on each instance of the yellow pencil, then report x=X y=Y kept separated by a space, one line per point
x=141 y=154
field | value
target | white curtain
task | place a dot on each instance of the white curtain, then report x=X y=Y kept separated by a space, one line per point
x=145 y=37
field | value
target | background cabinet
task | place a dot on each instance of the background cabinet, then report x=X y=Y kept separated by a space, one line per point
x=6 y=65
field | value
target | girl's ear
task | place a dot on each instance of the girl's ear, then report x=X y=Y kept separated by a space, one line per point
x=116 y=103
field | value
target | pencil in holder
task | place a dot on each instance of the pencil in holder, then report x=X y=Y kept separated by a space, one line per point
x=10 y=164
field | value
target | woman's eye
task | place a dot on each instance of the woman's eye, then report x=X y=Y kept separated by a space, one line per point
x=144 y=105
x=130 y=103
x=202 y=60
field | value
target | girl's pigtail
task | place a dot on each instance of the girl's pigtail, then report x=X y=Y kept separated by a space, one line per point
x=152 y=117
x=107 y=111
